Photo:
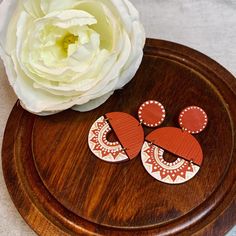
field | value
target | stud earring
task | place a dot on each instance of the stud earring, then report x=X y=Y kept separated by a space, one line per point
x=151 y=113
x=179 y=142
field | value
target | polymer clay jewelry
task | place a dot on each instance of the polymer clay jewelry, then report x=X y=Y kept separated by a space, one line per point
x=151 y=113
x=130 y=136
x=179 y=142
x=128 y=131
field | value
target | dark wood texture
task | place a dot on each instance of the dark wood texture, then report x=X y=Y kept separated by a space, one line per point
x=60 y=188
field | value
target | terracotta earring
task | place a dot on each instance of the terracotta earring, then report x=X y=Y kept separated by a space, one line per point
x=151 y=113
x=128 y=131
x=179 y=142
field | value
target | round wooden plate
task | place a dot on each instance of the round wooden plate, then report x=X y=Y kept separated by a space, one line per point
x=61 y=188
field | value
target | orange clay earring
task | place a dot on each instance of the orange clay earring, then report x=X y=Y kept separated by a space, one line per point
x=180 y=142
x=128 y=130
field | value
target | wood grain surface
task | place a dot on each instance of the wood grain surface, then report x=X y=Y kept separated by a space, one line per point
x=60 y=188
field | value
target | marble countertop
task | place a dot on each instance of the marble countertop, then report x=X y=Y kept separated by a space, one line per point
x=207 y=26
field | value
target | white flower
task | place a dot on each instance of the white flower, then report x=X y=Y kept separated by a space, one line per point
x=74 y=53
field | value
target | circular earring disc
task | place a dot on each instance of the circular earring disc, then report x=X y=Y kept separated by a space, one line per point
x=151 y=113
x=193 y=119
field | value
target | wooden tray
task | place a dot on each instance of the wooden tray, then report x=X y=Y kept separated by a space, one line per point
x=60 y=188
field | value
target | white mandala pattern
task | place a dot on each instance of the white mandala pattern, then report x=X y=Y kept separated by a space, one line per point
x=101 y=147
x=176 y=172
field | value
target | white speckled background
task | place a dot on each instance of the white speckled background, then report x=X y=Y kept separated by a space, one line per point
x=206 y=25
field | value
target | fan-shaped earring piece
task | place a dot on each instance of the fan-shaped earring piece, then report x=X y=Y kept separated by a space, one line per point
x=129 y=133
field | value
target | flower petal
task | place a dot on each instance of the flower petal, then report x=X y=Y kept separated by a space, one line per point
x=69 y=18
x=55 y=5
x=7 y=9
x=33 y=8
x=92 y=104
x=9 y=67
x=113 y=75
x=60 y=54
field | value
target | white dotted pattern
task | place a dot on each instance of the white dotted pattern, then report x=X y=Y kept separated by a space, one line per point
x=193 y=108
x=176 y=172
x=140 y=112
x=101 y=147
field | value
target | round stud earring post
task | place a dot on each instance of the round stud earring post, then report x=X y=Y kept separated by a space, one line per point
x=151 y=113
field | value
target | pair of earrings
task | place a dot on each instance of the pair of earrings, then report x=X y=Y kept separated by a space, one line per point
x=130 y=133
